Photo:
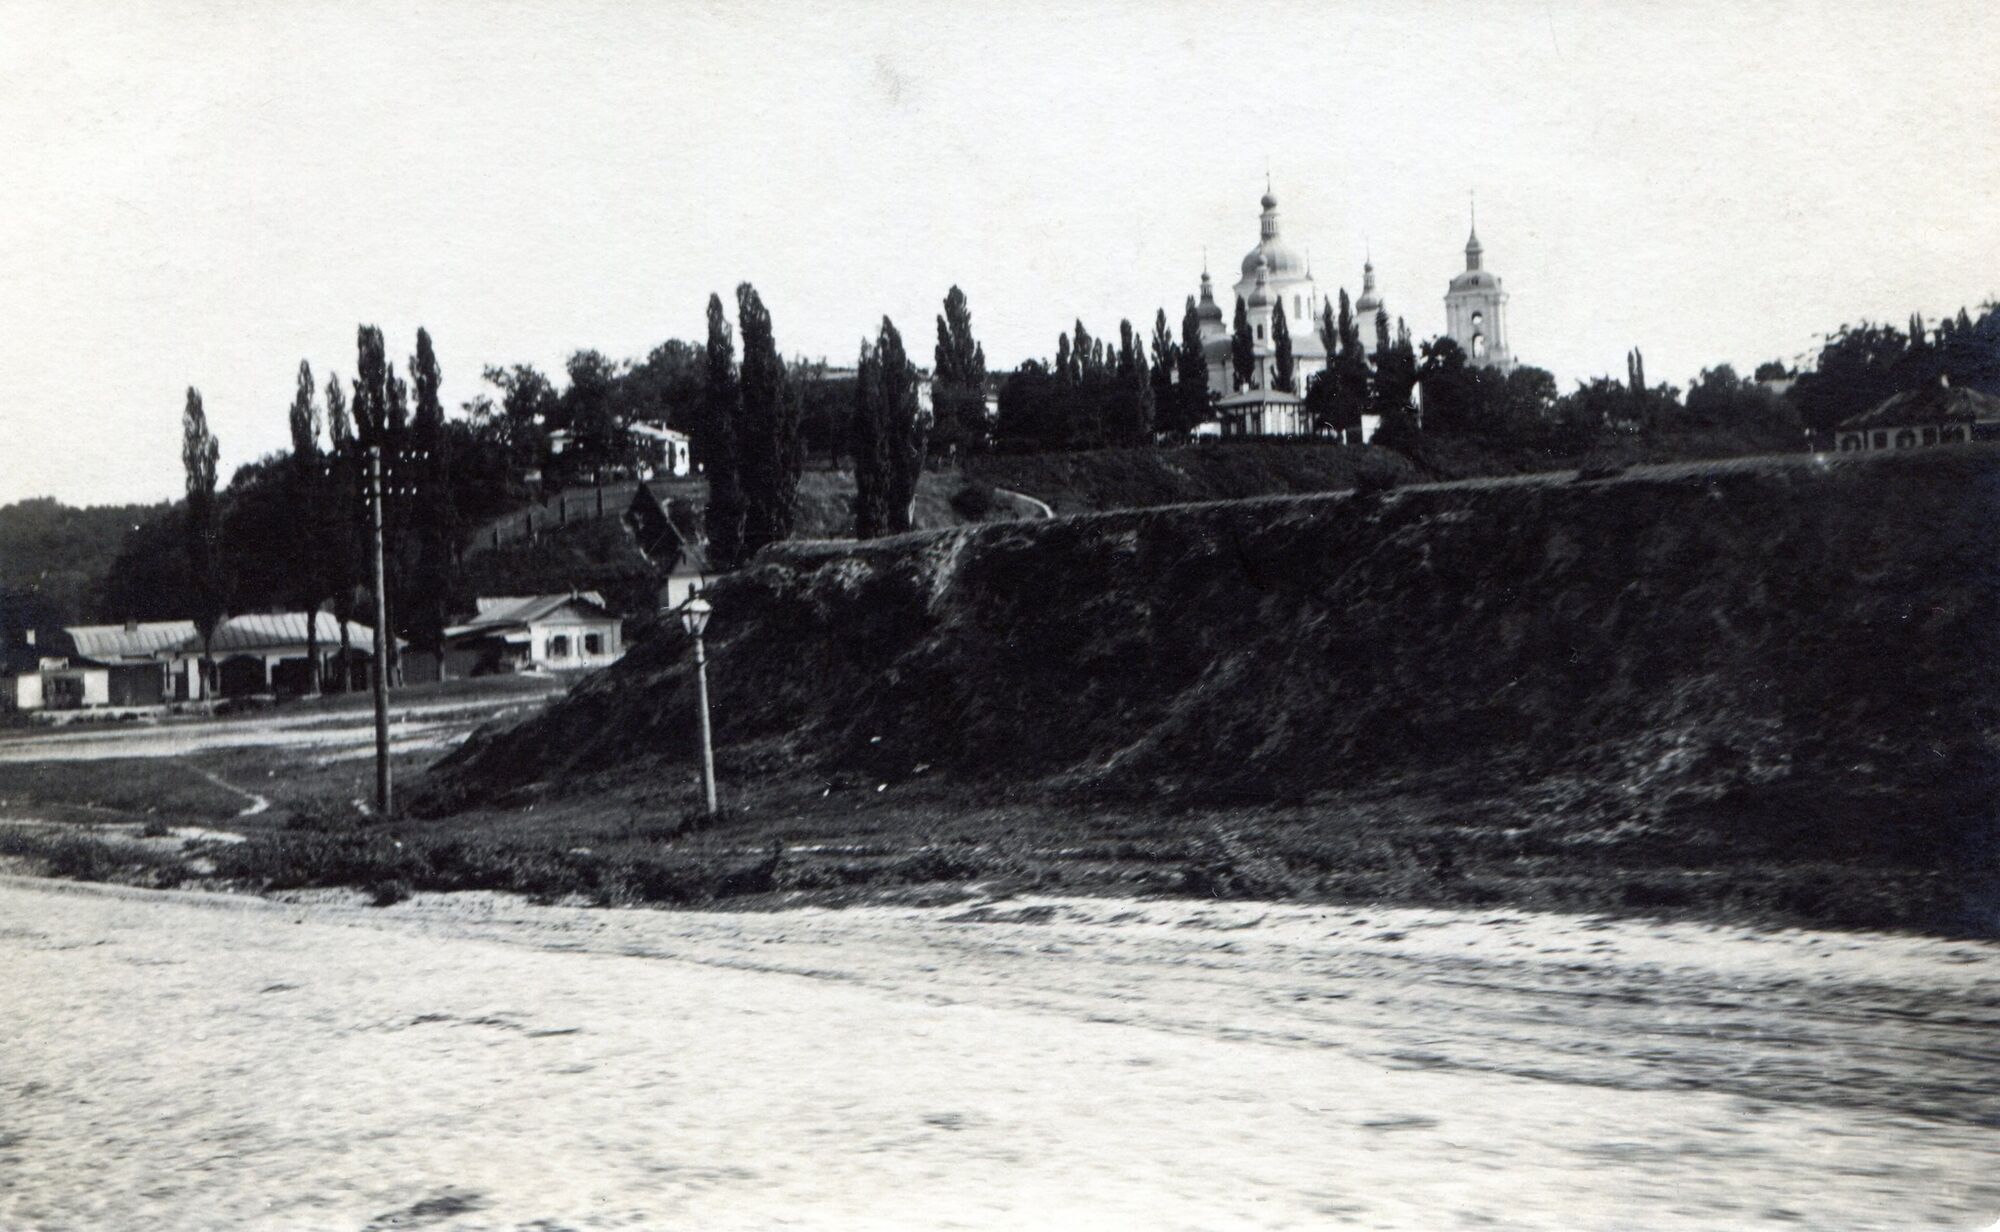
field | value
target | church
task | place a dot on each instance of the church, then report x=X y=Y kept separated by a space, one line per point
x=1275 y=276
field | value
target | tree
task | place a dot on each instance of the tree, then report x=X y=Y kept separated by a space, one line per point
x=1771 y=370
x=767 y=430
x=1031 y=409
x=527 y=404
x=868 y=438
x=433 y=517
x=1448 y=389
x=1349 y=392
x=199 y=452
x=592 y=415
x=1086 y=404
x=903 y=428
x=1395 y=374
x=340 y=551
x=1242 y=352
x=308 y=485
x=723 y=515
x=1281 y=345
x=1857 y=369
x=1130 y=421
x=1191 y=402
x=1166 y=367
x=958 y=381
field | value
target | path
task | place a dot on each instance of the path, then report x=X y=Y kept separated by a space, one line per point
x=1041 y=506
x=184 y=1060
x=257 y=803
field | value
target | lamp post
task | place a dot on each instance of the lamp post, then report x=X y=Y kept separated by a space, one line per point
x=694 y=619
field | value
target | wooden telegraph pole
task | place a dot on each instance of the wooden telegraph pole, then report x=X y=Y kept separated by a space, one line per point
x=384 y=801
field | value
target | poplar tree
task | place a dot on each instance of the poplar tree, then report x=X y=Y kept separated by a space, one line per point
x=868 y=437
x=1132 y=394
x=341 y=540
x=723 y=516
x=199 y=452
x=308 y=484
x=1192 y=394
x=1281 y=345
x=1242 y=352
x=1166 y=366
x=1350 y=369
x=767 y=431
x=958 y=381
x=903 y=429
x=429 y=476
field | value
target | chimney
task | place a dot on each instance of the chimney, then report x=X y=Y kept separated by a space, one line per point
x=131 y=626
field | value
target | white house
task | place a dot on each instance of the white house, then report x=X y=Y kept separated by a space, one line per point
x=570 y=632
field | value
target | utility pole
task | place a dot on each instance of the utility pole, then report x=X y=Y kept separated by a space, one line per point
x=383 y=799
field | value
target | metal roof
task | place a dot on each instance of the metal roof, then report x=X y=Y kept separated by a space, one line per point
x=1931 y=404
x=496 y=612
x=141 y=640
x=273 y=630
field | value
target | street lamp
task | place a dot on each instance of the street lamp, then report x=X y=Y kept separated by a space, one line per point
x=694 y=619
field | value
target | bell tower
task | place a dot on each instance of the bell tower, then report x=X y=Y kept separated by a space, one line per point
x=1475 y=310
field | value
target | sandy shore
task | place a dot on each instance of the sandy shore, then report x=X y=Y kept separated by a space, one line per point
x=180 y=1060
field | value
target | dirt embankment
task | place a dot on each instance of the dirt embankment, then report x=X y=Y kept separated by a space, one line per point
x=1727 y=673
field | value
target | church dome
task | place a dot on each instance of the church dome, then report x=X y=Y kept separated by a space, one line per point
x=1279 y=258
x=1371 y=301
x=1208 y=310
x=1474 y=280
x=1260 y=295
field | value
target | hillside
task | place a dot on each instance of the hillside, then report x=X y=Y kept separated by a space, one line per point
x=1100 y=479
x=1761 y=685
x=54 y=557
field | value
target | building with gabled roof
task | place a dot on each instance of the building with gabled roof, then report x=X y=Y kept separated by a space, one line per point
x=1939 y=414
x=266 y=652
x=510 y=633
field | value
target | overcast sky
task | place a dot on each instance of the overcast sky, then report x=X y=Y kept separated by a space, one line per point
x=204 y=194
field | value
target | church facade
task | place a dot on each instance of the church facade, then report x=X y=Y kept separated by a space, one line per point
x=1277 y=280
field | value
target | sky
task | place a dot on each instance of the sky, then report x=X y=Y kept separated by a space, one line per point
x=203 y=194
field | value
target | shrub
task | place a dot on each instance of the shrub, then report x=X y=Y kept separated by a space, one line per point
x=973 y=500
x=388 y=893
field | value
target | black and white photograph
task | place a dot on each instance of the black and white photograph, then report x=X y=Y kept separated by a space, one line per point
x=1172 y=617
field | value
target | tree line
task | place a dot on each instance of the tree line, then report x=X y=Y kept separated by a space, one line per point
x=286 y=532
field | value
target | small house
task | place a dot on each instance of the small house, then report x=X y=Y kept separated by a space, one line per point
x=1940 y=414
x=134 y=657
x=568 y=632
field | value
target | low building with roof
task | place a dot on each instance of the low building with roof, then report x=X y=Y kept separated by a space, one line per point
x=266 y=653
x=1940 y=414
x=512 y=633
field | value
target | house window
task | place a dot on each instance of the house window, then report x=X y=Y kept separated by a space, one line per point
x=1930 y=436
x=559 y=646
x=1478 y=342
x=593 y=643
x=1881 y=440
x=1478 y=319
x=1260 y=333
x=1905 y=439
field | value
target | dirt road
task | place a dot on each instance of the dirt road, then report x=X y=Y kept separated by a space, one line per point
x=201 y=1061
